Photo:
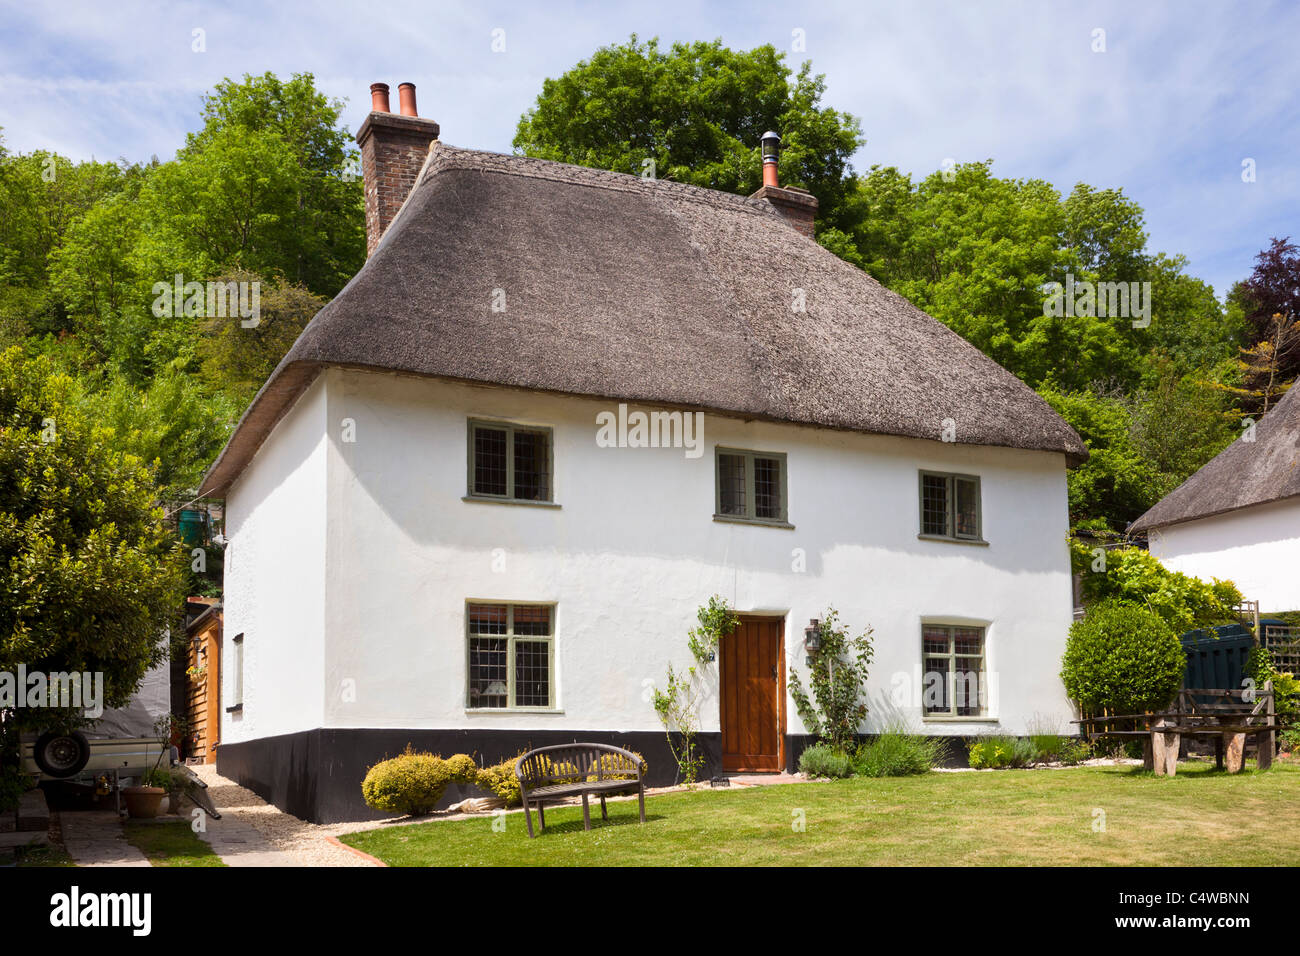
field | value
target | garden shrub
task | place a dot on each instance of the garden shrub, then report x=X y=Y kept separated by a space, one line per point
x=1134 y=576
x=1054 y=747
x=822 y=760
x=834 y=705
x=1122 y=659
x=1260 y=668
x=897 y=753
x=414 y=782
x=998 y=751
x=500 y=780
x=607 y=762
x=14 y=782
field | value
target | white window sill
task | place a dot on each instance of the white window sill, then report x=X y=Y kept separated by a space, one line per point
x=946 y=719
x=483 y=499
x=943 y=537
x=512 y=710
x=753 y=522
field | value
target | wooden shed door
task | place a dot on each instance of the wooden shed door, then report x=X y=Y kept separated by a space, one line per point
x=753 y=696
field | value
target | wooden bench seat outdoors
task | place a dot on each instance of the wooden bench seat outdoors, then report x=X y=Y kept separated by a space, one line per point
x=554 y=774
x=1225 y=714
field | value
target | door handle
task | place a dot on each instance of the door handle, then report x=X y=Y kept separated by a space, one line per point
x=773 y=672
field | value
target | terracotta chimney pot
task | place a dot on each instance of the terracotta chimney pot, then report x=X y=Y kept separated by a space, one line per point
x=406 y=97
x=379 y=97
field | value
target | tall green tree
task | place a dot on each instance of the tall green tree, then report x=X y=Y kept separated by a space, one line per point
x=90 y=575
x=307 y=216
x=697 y=112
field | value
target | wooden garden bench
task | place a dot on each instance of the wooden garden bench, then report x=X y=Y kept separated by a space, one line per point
x=554 y=774
x=1219 y=713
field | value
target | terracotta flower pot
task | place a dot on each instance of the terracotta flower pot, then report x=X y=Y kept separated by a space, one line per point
x=143 y=802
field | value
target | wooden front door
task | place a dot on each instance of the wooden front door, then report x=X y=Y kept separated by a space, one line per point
x=753 y=696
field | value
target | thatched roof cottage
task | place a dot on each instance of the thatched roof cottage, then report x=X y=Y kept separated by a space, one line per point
x=478 y=504
x=1239 y=516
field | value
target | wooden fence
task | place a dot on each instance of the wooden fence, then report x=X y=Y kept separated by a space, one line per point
x=1283 y=642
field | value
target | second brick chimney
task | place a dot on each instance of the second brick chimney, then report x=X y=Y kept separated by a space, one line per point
x=393 y=149
x=797 y=206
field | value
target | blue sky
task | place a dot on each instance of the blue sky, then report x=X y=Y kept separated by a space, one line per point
x=1183 y=93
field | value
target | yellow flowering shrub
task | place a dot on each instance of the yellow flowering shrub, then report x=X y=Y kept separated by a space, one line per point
x=414 y=782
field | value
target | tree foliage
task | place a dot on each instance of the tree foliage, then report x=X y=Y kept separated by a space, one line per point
x=91 y=576
x=1142 y=445
x=1270 y=299
x=1134 y=576
x=697 y=112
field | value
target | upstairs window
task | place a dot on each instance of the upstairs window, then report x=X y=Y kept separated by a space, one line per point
x=751 y=486
x=950 y=506
x=509 y=462
x=511 y=656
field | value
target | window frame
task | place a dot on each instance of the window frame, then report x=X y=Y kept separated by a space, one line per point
x=510 y=638
x=985 y=710
x=237 y=689
x=510 y=428
x=950 y=507
x=750 y=516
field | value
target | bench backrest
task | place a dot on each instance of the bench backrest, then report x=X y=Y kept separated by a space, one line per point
x=576 y=763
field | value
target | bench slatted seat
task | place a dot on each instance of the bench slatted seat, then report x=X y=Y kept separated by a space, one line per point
x=554 y=774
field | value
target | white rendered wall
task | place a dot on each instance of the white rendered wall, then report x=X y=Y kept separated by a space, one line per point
x=633 y=551
x=1257 y=548
x=275 y=579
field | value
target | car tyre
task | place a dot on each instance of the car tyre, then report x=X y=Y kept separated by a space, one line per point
x=61 y=754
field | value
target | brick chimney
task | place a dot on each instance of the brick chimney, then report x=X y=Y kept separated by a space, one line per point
x=393 y=148
x=797 y=206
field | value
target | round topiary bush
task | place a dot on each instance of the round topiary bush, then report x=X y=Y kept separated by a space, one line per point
x=1122 y=658
x=413 y=783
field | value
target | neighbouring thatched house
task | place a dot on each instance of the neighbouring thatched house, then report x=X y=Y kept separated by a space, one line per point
x=1239 y=516
x=478 y=504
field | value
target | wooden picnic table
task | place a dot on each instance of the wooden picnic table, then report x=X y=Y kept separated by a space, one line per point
x=1227 y=717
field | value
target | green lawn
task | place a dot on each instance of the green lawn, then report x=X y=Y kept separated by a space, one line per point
x=170 y=843
x=1009 y=817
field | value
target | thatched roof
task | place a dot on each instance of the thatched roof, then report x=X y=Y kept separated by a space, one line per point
x=643 y=291
x=1243 y=474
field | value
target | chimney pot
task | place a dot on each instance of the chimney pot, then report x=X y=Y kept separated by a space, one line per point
x=797 y=206
x=406 y=99
x=393 y=150
x=770 y=144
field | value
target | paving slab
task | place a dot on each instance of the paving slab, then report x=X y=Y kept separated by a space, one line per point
x=239 y=843
x=95 y=838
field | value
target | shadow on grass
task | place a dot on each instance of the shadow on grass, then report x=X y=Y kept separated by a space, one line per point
x=575 y=826
x=1197 y=770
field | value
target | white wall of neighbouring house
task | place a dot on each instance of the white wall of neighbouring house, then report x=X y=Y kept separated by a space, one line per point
x=275 y=579
x=1257 y=548
x=633 y=551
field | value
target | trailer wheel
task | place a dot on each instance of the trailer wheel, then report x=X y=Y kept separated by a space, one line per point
x=61 y=754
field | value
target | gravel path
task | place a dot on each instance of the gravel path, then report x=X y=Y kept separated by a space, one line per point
x=294 y=842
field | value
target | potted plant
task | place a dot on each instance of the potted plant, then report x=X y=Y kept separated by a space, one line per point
x=178 y=782
x=145 y=800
